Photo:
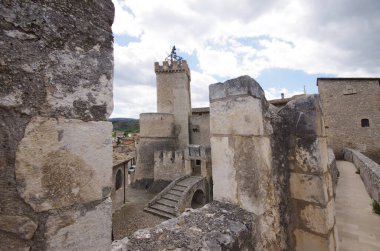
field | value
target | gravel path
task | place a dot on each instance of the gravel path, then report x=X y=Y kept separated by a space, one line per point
x=131 y=216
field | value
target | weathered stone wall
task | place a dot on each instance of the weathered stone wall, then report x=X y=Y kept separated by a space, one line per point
x=56 y=149
x=345 y=103
x=157 y=132
x=168 y=165
x=157 y=125
x=369 y=171
x=217 y=226
x=312 y=223
x=200 y=129
x=273 y=163
x=243 y=172
x=173 y=96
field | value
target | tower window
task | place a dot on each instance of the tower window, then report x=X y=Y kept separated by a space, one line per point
x=365 y=123
x=198 y=162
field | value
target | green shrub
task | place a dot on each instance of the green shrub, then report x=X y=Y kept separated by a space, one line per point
x=376 y=207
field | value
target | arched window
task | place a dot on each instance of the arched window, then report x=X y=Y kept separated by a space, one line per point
x=119 y=180
x=365 y=123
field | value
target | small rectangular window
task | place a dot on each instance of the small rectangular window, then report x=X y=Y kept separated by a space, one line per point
x=365 y=123
x=198 y=162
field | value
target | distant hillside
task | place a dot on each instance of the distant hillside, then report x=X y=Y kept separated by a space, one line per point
x=125 y=124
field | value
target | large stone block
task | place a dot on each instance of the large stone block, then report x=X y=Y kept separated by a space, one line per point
x=303 y=116
x=254 y=178
x=237 y=116
x=244 y=85
x=309 y=188
x=318 y=219
x=313 y=242
x=72 y=163
x=223 y=170
x=81 y=229
x=310 y=155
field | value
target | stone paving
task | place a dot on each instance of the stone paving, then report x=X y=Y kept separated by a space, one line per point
x=358 y=226
x=131 y=216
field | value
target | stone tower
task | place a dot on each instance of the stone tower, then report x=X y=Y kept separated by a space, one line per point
x=173 y=96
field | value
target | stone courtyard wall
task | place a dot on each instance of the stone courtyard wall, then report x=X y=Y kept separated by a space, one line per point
x=157 y=132
x=169 y=165
x=56 y=149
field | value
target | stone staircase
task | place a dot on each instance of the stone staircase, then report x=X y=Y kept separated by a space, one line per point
x=167 y=203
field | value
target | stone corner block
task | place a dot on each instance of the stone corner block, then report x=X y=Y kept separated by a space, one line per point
x=217 y=91
x=318 y=219
x=304 y=116
x=238 y=116
x=72 y=163
x=243 y=85
x=311 y=188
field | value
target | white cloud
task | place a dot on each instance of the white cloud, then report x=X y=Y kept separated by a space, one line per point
x=231 y=39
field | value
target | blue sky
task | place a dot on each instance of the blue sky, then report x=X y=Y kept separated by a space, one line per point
x=284 y=44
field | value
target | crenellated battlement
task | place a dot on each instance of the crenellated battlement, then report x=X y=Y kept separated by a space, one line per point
x=167 y=157
x=172 y=66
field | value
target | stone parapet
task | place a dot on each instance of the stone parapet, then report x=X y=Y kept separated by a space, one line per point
x=216 y=226
x=369 y=171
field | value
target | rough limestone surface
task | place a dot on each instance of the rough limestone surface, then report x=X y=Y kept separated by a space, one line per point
x=216 y=226
x=312 y=214
x=81 y=228
x=273 y=162
x=241 y=131
x=56 y=70
x=20 y=225
x=67 y=167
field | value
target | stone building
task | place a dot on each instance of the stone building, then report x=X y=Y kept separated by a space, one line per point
x=351 y=109
x=175 y=141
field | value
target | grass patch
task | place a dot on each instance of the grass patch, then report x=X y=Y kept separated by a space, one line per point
x=376 y=207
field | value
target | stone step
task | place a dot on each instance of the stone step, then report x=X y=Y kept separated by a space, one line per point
x=166 y=209
x=171 y=197
x=166 y=202
x=189 y=181
x=159 y=213
x=181 y=185
x=179 y=188
x=175 y=192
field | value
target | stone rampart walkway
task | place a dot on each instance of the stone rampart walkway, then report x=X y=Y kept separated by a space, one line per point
x=358 y=226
